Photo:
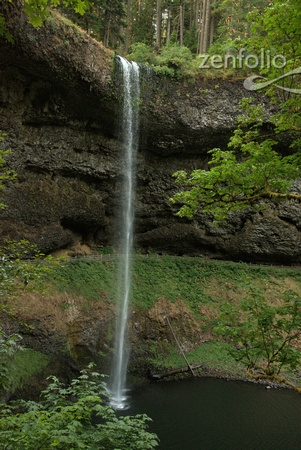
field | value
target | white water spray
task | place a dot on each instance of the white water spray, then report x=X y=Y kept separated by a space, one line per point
x=130 y=121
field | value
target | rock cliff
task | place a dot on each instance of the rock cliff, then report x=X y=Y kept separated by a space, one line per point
x=60 y=110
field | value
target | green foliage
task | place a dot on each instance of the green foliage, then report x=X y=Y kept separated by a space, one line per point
x=252 y=170
x=232 y=20
x=18 y=274
x=217 y=353
x=173 y=61
x=152 y=278
x=9 y=345
x=143 y=26
x=37 y=11
x=238 y=180
x=4 y=31
x=262 y=334
x=100 y=17
x=5 y=173
x=141 y=53
x=73 y=417
x=89 y=278
x=170 y=277
x=164 y=71
x=179 y=61
x=108 y=250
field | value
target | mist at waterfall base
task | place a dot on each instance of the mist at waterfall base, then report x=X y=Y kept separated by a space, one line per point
x=216 y=414
x=129 y=141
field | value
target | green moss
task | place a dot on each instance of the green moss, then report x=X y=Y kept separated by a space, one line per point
x=25 y=364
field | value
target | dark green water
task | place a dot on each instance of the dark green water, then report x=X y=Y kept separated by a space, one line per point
x=218 y=414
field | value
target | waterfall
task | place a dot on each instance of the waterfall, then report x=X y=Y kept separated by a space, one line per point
x=130 y=125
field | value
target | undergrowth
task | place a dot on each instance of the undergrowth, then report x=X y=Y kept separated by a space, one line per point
x=193 y=280
x=179 y=63
x=202 y=285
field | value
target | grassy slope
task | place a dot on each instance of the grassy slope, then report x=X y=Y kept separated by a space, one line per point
x=203 y=285
x=196 y=281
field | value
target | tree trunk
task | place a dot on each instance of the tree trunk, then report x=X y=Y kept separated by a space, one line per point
x=181 y=25
x=128 y=23
x=158 y=24
x=191 y=14
x=202 y=24
x=206 y=28
x=212 y=24
x=139 y=9
x=196 y=14
x=120 y=39
x=107 y=31
x=168 y=25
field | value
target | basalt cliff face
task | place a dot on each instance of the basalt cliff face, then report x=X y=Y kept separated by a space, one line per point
x=60 y=109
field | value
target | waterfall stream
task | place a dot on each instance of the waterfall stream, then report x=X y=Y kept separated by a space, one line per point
x=130 y=132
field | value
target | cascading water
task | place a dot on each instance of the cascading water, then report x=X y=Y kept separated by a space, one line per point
x=130 y=120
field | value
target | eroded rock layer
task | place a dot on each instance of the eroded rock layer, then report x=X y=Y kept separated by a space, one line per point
x=60 y=107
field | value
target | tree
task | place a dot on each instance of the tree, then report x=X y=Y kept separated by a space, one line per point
x=158 y=25
x=241 y=177
x=73 y=417
x=262 y=334
x=205 y=26
x=232 y=19
x=38 y=10
x=252 y=169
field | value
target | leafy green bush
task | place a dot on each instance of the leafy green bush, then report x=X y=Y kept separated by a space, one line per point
x=164 y=71
x=9 y=345
x=141 y=53
x=173 y=61
x=263 y=335
x=179 y=59
x=73 y=417
x=108 y=250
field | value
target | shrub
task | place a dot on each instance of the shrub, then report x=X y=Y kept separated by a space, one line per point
x=180 y=59
x=73 y=417
x=141 y=53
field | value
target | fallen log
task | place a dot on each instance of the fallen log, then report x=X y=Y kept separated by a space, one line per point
x=172 y=372
x=180 y=347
